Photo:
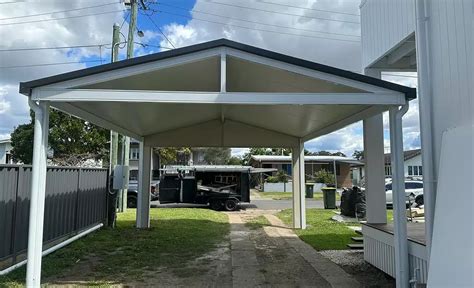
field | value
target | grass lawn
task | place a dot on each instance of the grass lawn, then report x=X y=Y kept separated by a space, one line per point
x=257 y=222
x=176 y=236
x=323 y=233
x=289 y=195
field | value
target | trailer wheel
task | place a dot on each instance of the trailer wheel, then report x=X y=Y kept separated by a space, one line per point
x=230 y=205
x=215 y=204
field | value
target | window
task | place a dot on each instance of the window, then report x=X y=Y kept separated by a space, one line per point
x=415 y=170
x=133 y=175
x=410 y=170
x=388 y=170
x=134 y=153
x=420 y=170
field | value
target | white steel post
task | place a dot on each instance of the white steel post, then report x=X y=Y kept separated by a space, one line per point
x=38 y=190
x=144 y=179
x=374 y=170
x=402 y=272
x=374 y=164
x=299 y=209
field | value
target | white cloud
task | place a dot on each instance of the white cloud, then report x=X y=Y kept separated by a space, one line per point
x=69 y=32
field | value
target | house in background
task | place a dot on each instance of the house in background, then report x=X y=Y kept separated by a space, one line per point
x=5 y=151
x=412 y=161
x=134 y=158
x=313 y=164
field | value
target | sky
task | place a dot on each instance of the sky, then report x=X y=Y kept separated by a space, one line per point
x=324 y=31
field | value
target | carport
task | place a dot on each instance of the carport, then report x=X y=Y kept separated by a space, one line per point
x=215 y=94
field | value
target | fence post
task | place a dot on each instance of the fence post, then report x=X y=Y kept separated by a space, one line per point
x=78 y=190
x=19 y=180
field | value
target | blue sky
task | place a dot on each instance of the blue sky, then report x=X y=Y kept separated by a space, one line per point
x=311 y=30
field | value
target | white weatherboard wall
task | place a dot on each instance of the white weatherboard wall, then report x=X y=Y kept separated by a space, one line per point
x=450 y=29
x=384 y=24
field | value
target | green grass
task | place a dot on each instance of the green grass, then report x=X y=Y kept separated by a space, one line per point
x=176 y=236
x=322 y=233
x=258 y=222
x=289 y=195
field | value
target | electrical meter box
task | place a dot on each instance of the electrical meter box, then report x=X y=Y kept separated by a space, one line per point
x=120 y=180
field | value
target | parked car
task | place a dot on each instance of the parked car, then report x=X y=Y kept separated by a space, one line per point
x=132 y=191
x=413 y=191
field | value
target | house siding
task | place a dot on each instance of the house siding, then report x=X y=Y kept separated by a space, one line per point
x=384 y=24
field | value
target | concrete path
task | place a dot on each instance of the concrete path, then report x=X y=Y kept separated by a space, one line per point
x=276 y=257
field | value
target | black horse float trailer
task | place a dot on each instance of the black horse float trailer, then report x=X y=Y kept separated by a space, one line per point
x=222 y=187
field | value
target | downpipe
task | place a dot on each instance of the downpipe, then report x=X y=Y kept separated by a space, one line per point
x=425 y=104
x=38 y=178
x=54 y=248
x=400 y=227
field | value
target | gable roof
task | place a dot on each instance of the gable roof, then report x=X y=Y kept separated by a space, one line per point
x=25 y=87
x=406 y=155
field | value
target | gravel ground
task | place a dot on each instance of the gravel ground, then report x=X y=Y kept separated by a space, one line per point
x=353 y=263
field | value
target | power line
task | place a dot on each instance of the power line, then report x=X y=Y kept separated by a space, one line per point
x=69 y=17
x=283 y=13
x=257 y=22
x=53 y=48
x=124 y=19
x=48 y=64
x=255 y=29
x=157 y=27
x=307 y=8
x=54 y=12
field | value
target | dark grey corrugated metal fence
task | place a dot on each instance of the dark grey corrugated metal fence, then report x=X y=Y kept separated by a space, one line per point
x=76 y=198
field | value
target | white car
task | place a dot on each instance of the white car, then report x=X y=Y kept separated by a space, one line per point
x=413 y=191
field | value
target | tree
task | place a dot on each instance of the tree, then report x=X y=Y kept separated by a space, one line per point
x=234 y=161
x=358 y=154
x=323 y=153
x=338 y=154
x=71 y=139
x=173 y=155
x=217 y=156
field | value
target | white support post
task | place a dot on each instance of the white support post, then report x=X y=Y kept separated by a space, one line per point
x=374 y=164
x=374 y=170
x=299 y=209
x=144 y=179
x=38 y=190
x=399 y=198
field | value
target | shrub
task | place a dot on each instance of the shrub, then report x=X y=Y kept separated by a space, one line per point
x=323 y=176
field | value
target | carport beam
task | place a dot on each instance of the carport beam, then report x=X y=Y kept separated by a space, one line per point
x=299 y=209
x=144 y=179
x=38 y=190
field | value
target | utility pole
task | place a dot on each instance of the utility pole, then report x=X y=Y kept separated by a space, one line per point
x=114 y=135
x=113 y=150
x=132 y=26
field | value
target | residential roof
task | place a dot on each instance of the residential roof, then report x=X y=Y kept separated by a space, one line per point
x=323 y=159
x=406 y=155
x=25 y=87
x=5 y=140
